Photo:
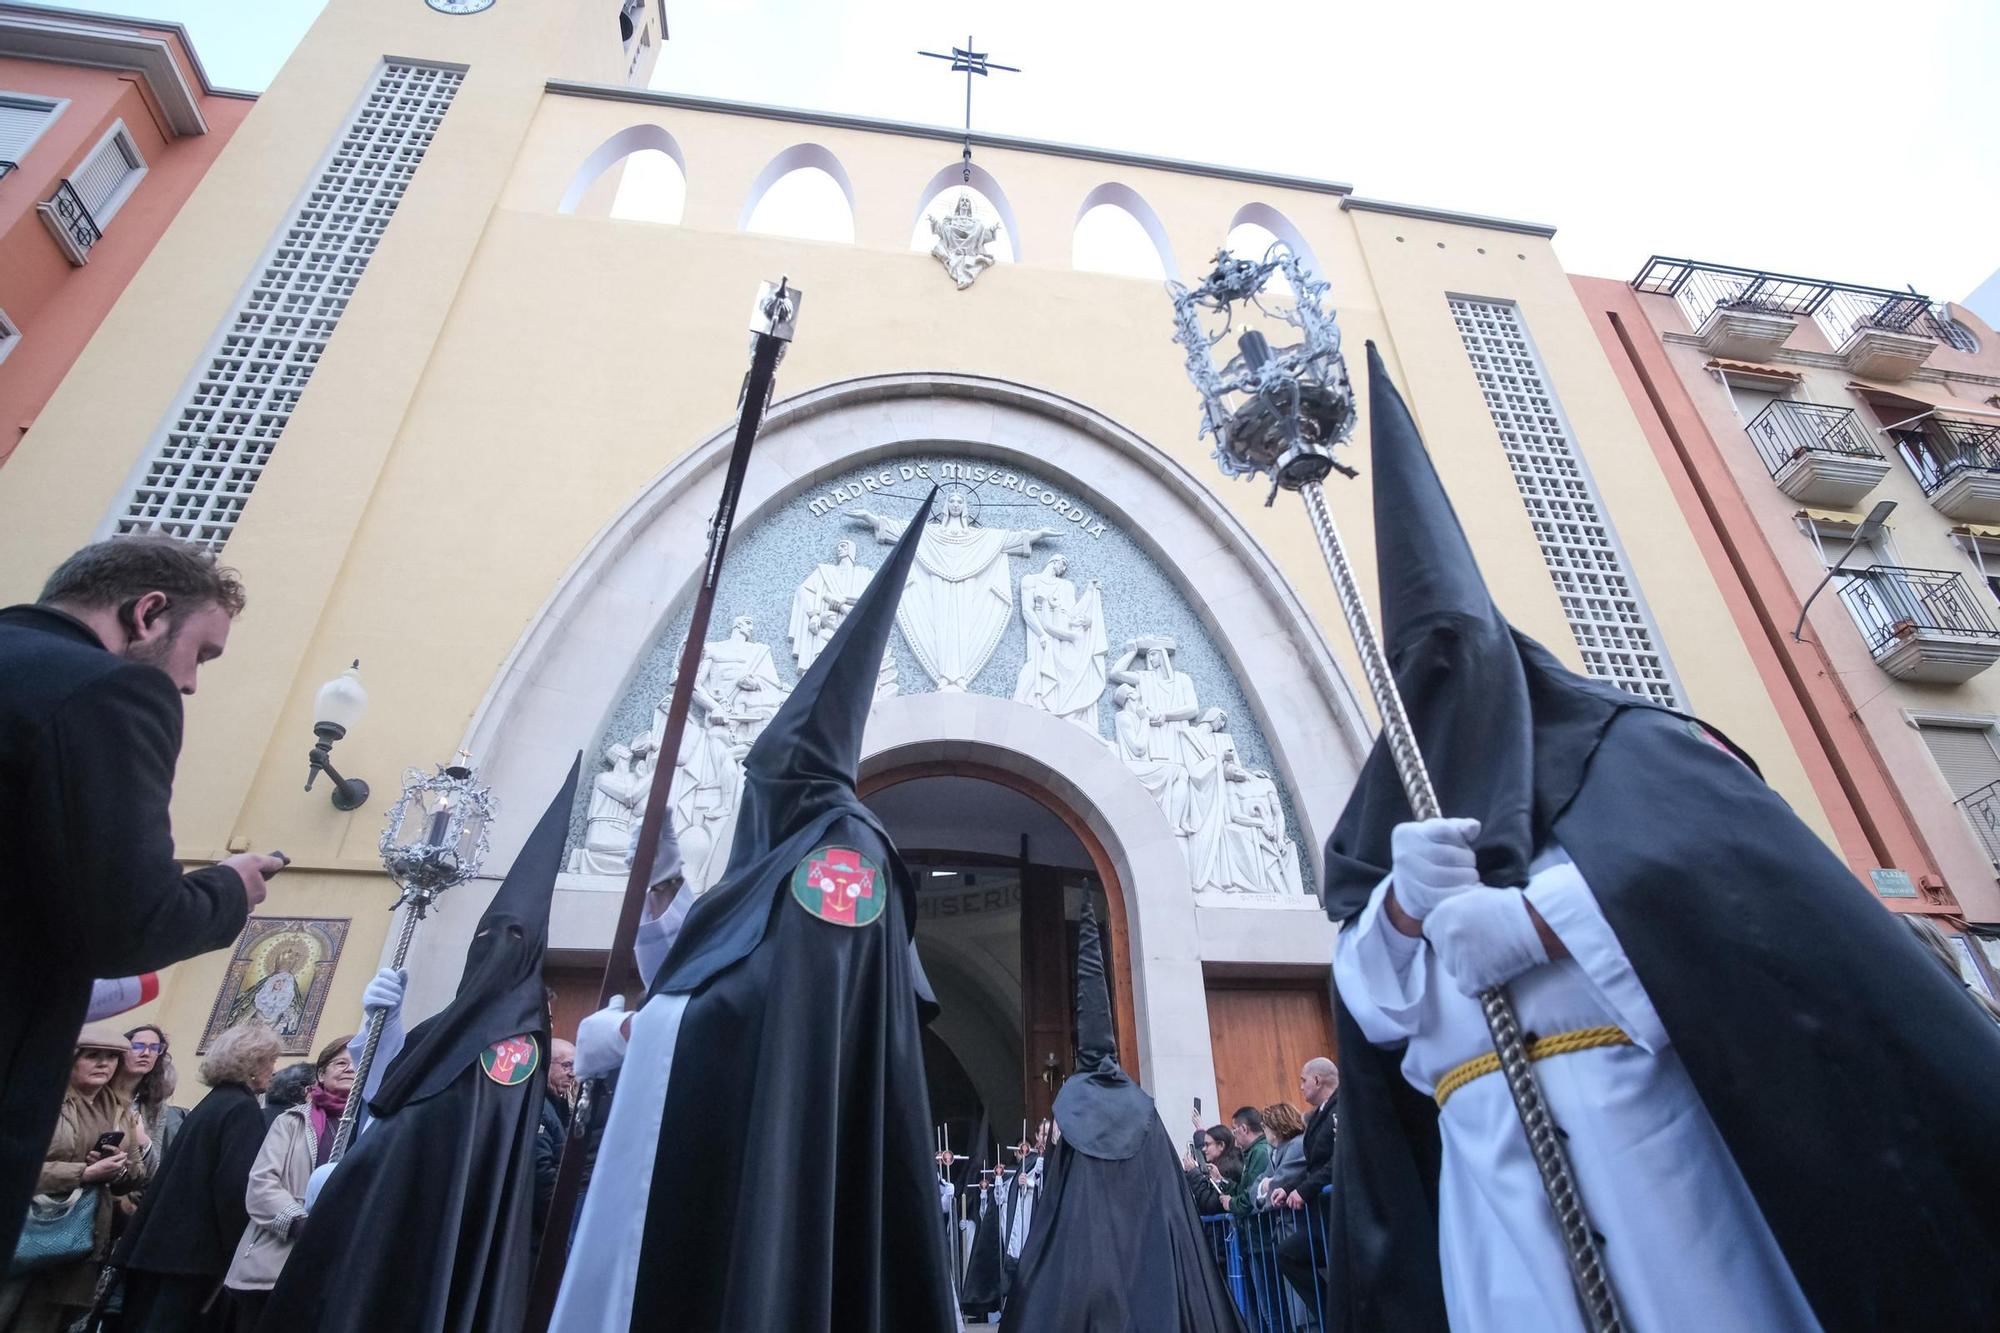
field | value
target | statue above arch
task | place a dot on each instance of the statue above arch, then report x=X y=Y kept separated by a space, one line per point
x=1093 y=609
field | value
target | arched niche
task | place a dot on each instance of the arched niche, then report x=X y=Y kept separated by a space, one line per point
x=949 y=177
x=799 y=157
x=1123 y=197
x=631 y=139
x=1279 y=227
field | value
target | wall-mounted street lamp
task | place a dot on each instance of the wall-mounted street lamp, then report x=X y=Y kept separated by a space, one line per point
x=338 y=706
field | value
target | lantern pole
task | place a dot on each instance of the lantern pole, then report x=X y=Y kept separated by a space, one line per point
x=447 y=813
x=1296 y=404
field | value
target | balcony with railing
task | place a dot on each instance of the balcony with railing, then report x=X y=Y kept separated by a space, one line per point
x=1957 y=462
x=64 y=214
x=1883 y=335
x=1747 y=312
x=1923 y=624
x=1818 y=455
x=1981 y=809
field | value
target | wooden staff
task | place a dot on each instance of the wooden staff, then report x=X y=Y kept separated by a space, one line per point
x=772 y=322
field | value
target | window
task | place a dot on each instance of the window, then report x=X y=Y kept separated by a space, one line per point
x=10 y=336
x=1599 y=597
x=23 y=118
x=1966 y=757
x=1965 y=754
x=1985 y=555
x=106 y=177
x=199 y=473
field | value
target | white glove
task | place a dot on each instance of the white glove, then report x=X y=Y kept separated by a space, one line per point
x=385 y=992
x=1431 y=861
x=1485 y=939
x=601 y=1041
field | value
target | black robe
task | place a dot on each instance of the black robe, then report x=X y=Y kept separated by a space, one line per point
x=1116 y=1247
x=428 y=1222
x=985 y=1287
x=88 y=744
x=1857 y=1089
x=793 y=1189
x=425 y=1225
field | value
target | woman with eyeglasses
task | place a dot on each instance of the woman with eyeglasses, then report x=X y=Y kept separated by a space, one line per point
x=146 y=1081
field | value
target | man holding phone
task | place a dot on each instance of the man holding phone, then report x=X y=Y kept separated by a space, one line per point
x=91 y=679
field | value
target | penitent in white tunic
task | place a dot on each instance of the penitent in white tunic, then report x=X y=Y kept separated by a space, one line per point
x=603 y=1269
x=1685 y=1242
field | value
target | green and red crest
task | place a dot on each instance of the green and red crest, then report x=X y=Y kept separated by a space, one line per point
x=513 y=1061
x=840 y=885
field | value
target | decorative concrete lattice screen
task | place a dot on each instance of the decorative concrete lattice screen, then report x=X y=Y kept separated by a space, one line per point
x=223 y=432
x=1598 y=594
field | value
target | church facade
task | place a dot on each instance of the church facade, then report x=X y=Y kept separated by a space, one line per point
x=450 y=417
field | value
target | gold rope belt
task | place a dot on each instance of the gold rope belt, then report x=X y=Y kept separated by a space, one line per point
x=1541 y=1048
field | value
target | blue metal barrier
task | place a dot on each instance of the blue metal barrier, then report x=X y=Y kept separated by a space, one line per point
x=1254 y=1255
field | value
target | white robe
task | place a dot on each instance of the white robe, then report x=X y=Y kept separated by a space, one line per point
x=603 y=1269
x=1685 y=1242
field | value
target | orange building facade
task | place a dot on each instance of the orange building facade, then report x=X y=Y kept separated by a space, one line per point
x=1787 y=413
x=106 y=126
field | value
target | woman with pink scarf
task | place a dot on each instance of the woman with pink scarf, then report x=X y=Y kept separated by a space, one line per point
x=299 y=1140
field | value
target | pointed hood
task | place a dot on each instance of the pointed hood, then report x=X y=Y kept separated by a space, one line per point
x=1100 y=1110
x=1505 y=729
x=798 y=779
x=1455 y=662
x=501 y=994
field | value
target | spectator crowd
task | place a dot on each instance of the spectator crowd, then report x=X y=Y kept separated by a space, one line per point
x=148 y=1218
x=1267 y=1171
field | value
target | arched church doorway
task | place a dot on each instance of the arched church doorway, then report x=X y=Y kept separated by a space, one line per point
x=1003 y=871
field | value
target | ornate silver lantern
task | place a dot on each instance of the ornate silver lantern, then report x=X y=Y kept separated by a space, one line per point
x=1277 y=411
x=1280 y=412
x=435 y=839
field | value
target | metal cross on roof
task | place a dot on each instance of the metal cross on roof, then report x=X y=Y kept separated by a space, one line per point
x=964 y=60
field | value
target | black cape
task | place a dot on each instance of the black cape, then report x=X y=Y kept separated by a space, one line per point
x=794 y=1183
x=1115 y=1245
x=1857 y=1090
x=985 y=1287
x=428 y=1221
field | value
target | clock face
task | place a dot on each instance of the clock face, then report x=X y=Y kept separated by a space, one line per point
x=459 y=6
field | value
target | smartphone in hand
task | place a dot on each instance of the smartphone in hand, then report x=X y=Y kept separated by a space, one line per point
x=108 y=1141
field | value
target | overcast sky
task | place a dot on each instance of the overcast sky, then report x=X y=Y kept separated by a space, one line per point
x=1836 y=139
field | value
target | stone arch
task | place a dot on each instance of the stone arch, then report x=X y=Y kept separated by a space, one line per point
x=632 y=139
x=799 y=157
x=580 y=655
x=1121 y=196
x=1271 y=220
x=982 y=181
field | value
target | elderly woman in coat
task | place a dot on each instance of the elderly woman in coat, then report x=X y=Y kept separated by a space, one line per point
x=275 y=1198
x=180 y=1244
x=49 y=1300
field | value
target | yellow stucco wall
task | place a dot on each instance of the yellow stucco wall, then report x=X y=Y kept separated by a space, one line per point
x=507 y=378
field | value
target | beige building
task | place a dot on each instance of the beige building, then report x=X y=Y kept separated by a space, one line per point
x=451 y=418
